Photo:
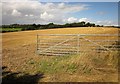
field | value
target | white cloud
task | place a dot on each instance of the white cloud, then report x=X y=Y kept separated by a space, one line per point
x=46 y=16
x=16 y=0
x=71 y=20
x=40 y=12
x=30 y=15
x=106 y=23
x=84 y=19
x=61 y=5
x=26 y=15
x=15 y=13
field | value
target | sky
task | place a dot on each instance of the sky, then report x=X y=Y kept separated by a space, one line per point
x=29 y=12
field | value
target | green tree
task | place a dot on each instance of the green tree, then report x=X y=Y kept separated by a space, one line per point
x=88 y=24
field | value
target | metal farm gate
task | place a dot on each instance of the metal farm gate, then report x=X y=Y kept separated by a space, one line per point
x=68 y=44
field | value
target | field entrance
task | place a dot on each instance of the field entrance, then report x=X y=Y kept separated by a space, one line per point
x=68 y=44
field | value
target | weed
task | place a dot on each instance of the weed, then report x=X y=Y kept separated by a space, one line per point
x=71 y=68
x=31 y=61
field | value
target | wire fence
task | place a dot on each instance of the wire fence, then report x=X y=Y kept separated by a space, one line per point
x=69 y=44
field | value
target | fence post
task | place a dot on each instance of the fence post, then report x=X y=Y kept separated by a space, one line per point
x=78 y=44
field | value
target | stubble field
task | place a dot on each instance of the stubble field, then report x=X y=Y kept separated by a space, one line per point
x=22 y=64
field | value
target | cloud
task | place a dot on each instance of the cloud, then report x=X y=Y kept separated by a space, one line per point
x=30 y=11
x=71 y=20
x=46 y=16
x=106 y=23
x=84 y=19
x=15 y=13
x=16 y=0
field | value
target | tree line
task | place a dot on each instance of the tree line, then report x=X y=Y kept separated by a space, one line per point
x=50 y=25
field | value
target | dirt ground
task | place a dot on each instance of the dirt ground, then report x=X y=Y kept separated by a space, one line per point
x=19 y=48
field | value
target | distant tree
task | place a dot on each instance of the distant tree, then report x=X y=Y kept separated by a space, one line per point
x=98 y=25
x=83 y=23
x=34 y=25
x=50 y=25
x=88 y=24
x=67 y=25
x=92 y=25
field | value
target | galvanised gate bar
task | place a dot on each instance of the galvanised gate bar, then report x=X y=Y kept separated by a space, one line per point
x=70 y=44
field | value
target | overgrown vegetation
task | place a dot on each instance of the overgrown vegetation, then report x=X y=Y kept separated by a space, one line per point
x=63 y=64
x=76 y=64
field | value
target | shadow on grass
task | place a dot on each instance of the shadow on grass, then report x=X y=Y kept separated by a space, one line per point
x=9 y=77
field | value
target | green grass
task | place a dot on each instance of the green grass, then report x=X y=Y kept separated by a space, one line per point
x=62 y=64
x=53 y=65
x=10 y=29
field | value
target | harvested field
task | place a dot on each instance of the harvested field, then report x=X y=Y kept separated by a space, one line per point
x=19 y=56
